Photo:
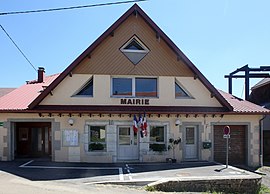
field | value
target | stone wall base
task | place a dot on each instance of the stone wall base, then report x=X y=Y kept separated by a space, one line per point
x=248 y=186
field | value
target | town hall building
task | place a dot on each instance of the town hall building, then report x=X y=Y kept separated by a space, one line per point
x=132 y=95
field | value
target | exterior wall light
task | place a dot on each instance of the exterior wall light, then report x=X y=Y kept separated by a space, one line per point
x=70 y=121
x=178 y=122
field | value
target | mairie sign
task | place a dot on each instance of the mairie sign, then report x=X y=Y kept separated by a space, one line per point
x=134 y=101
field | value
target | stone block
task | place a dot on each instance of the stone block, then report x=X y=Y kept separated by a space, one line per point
x=57 y=135
x=57 y=145
x=5 y=151
x=111 y=129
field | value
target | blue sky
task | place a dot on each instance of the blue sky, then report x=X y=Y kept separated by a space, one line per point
x=217 y=36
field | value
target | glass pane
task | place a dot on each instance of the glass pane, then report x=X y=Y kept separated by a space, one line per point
x=135 y=138
x=134 y=45
x=34 y=140
x=179 y=92
x=157 y=134
x=87 y=89
x=122 y=86
x=40 y=141
x=46 y=140
x=190 y=132
x=97 y=133
x=146 y=87
x=124 y=136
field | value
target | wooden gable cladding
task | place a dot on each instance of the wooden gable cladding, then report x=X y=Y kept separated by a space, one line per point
x=108 y=59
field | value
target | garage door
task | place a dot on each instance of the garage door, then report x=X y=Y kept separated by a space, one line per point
x=237 y=144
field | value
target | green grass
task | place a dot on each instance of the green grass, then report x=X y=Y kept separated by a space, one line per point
x=150 y=188
x=264 y=189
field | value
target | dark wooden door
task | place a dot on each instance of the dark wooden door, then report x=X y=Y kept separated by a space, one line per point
x=237 y=144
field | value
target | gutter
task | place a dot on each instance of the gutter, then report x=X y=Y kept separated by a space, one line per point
x=261 y=140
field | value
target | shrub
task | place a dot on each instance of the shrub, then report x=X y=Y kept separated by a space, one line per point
x=96 y=146
x=158 y=147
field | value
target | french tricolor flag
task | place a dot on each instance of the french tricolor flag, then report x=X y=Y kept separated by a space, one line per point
x=135 y=124
x=144 y=125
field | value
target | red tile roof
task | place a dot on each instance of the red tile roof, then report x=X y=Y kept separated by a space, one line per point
x=4 y=91
x=20 y=98
x=242 y=106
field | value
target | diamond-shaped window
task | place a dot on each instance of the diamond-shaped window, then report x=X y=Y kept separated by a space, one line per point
x=134 y=50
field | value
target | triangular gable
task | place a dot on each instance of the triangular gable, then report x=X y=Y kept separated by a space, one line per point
x=135 y=9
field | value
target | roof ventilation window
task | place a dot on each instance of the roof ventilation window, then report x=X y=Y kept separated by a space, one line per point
x=86 y=90
x=134 y=50
x=180 y=92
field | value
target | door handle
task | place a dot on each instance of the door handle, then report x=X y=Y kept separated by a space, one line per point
x=42 y=142
x=131 y=142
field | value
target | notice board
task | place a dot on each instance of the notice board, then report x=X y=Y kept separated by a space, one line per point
x=70 y=137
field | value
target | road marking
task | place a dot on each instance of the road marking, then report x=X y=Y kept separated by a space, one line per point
x=23 y=165
x=71 y=167
x=121 y=175
x=129 y=173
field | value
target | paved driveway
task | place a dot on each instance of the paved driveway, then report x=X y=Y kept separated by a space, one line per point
x=46 y=177
x=37 y=170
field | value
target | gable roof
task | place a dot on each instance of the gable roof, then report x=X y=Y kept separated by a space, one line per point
x=135 y=9
x=20 y=98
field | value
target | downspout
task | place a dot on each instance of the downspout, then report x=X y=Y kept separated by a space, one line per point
x=261 y=140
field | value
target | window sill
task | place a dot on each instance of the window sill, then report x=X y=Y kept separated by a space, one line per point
x=97 y=153
x=184 y=98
